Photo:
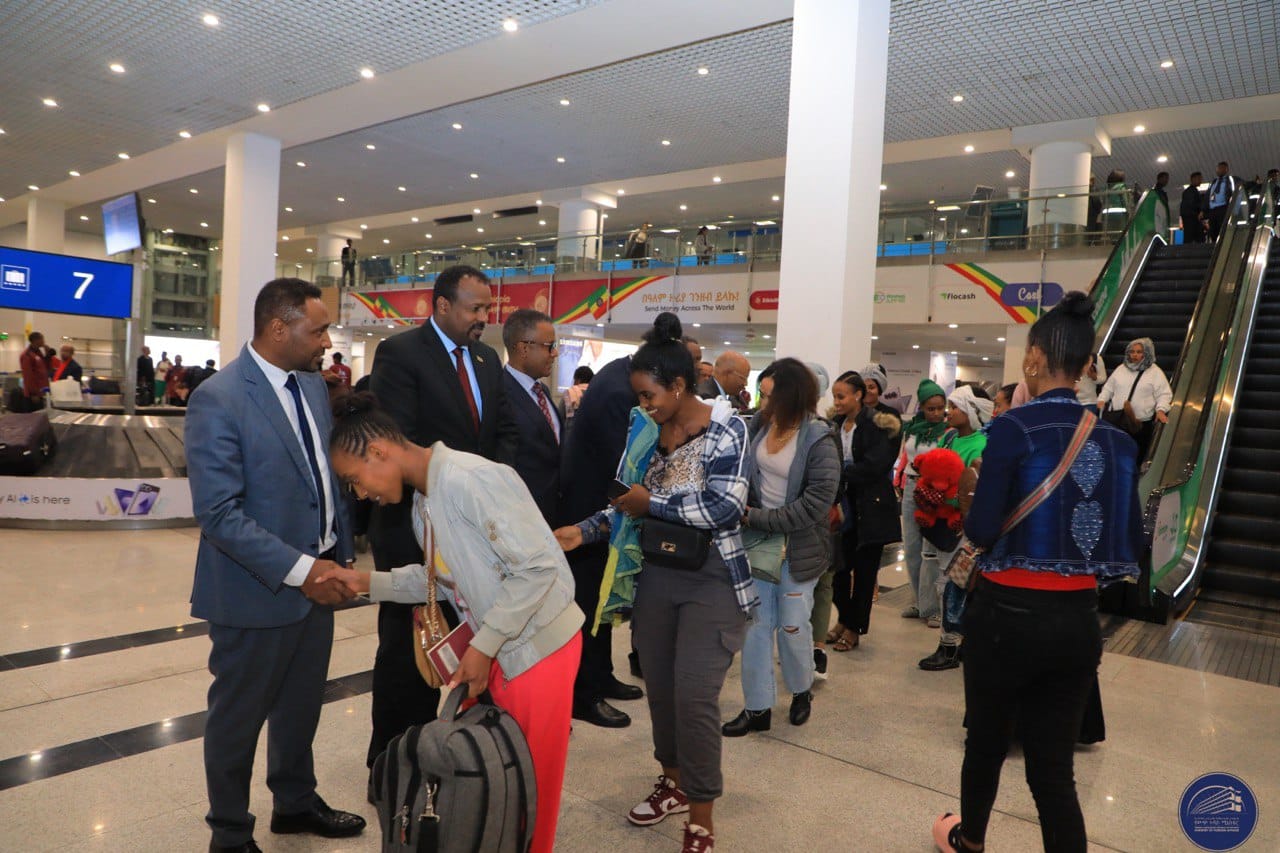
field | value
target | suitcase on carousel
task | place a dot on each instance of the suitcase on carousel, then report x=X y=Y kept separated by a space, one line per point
x=26 y=442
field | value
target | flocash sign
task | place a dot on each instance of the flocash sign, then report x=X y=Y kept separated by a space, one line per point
x=61 y=284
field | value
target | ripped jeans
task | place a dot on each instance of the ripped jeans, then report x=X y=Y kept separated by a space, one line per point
x=784 y=611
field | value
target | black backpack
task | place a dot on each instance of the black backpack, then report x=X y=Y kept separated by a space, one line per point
x=461 y=783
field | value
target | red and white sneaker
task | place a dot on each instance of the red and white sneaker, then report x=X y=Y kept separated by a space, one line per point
x=697 y=839
x=666 y=799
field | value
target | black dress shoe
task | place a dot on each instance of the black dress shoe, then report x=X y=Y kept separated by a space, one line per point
x=623 y=692
x=248 y=847
x=801 y=708
x=600 y=713
x=634 y=660
x=318 y=820
x=748 y=721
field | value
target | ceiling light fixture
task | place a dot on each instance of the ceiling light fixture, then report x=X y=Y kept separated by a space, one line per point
x=84 y=219
x=364 y=227
x=116 y=67
x=366 y=73
x=151 y=201
x=968 y=149
x=884 y=187
x=511 y=25
x=715 y=179
x=666 y=142
x=1001 y=340
x=956 y=99
x=49 y=102
x=385 y=240
x=1168 y=63
x=873 y=337
x=211 y=20
x=284 y=237
x=342 y=198
x=559 y=159
x=194 y=191
x=33 y=188
x=370 y=146
x=703 y=71
x=564 y=102
x=947 y=207
x=1139 y=128
x=777 y=198
x=457 y=126
x=204 y=224
x=542 y=222
x=684 y=207
x=73 y=173
x=953 y=325
x=123 y=155
x=1009 y=174
x=621 y=191
x=310 y=251
x=185 y=134
x=264 y=108
x=1163 y=158
x=301 y=164
x=474 y=176
x=288 y=210
x=915 y=346
x=428 y=236
x=401 y=189
x=413 y=219
x=475 y=210
x=479 y=230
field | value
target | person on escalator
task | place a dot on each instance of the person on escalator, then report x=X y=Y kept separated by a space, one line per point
x=1137 y=396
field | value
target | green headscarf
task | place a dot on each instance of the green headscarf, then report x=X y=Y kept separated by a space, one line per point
x=925 y=432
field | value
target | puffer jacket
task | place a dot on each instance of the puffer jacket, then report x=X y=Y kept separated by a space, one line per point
x=868 y=477
x=812 y=484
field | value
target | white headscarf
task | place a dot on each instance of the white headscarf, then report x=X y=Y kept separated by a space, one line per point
x=977 y=409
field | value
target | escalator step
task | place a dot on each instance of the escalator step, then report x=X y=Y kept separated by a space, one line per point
x=1255 y=437
x=1266 y=331
x=1237 y=600
x=1246 y=528
x=1247 y=503
x=1267 y=400
x=1234 y=566
x=1258 y=366
x=1256 y=459
x=1251 y=480
x=1261 y=381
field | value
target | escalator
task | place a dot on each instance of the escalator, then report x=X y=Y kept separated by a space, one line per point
x=1240 y=585
x=1161 y=304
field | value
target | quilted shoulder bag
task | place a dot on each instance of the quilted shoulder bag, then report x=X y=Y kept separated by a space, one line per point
x=960 y=570
x=429 y=625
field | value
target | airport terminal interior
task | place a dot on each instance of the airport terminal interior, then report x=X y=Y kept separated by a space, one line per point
x=896 y=187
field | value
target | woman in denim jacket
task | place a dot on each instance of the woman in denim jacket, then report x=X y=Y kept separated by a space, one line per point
x=1032 y=639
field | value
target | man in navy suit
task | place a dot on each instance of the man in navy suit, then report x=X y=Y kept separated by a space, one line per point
x=440 y=383
x=271 y=523
x=530 y=339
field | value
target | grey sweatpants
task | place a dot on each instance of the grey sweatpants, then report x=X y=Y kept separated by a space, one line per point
x=687 y=628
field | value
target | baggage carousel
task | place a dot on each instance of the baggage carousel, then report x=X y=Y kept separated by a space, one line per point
x=109 y=471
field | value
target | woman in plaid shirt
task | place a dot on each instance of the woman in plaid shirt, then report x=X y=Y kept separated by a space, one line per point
x=684 y=463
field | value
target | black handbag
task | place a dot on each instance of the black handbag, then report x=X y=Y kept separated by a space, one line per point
x=674 y=546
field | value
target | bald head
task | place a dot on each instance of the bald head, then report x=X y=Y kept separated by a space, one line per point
x=732 y=370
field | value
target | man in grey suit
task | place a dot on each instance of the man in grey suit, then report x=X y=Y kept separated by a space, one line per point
x=271 y=523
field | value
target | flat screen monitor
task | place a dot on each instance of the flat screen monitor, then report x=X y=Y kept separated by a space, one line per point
x=122 y=224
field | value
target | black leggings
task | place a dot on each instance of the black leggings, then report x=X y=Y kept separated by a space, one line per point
x=854 y=583
x=1030 y=656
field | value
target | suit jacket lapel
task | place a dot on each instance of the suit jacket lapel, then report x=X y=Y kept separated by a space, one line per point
x=522 y=398
x=264 y=396
x=448 y=367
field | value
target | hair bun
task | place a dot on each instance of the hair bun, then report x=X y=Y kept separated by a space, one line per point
x=354 y=404
x=666 y=327
x=1077 y=304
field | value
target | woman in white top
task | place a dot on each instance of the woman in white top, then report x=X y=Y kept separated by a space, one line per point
x=1090 y=381
x=1142 y=384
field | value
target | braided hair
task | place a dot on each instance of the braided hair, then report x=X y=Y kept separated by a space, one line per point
x=358 y=421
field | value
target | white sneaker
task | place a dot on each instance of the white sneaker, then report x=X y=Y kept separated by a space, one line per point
x=697 y=839
x=666 y=799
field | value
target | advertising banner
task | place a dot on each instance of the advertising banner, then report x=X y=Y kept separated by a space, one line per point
x=74 y=499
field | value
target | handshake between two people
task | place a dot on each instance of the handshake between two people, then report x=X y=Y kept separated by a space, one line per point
x=329 y=583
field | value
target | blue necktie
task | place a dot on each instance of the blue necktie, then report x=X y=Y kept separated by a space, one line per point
x=292 y=384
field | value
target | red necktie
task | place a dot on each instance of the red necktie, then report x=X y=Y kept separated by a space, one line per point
x=466 y=388
x=546 y=409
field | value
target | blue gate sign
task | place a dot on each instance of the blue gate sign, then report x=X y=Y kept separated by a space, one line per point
x=62 y=284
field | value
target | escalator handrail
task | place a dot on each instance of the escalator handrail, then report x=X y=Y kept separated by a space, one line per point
x=1124 y=265
x=1220 y=267
x=1194 y=522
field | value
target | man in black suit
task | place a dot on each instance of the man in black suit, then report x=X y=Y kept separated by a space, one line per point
x=729 y=380
x=349 y=263
x=590 y=462
x=1191 y=210
x=530 y=339
x=146 y=378
x=440 y=383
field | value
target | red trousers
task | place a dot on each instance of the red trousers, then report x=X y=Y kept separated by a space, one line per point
x=541 y=702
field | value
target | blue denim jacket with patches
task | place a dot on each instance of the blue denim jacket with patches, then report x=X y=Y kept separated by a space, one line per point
x=1090 y=525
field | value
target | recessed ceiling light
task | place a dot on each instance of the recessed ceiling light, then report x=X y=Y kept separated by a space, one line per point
x=264 y=108
x=873 y=337
x=401 y=189
x=1139 y=128
x=1009 y=174
x=49 y=102
x=684 y=207
x=301 y=164
x=284 y=237
x=564 y=102
x=620 y=191
x=559 y=159
x=884 y=187
x=386 y=240
x=211 y=20
x=953 y=352
x=194 y=191
x=84 y=219
x=542 y=222
x=413 y=219
x=1001 y=340
x=953 y=325
x=715 y=179
x=457 y=126
x=341 y=198
x=968 y=149
x=697 y=325
x=428 y=236
x=767 y=337
x=185 y=134
x=370 y=146
x=288 y=210
x=915 y=346
x=151 y=201
x=726 y=343
x=32 y=187
x=777 y=198
x=116 y=67
x=1 y=131
x=123 y=155
x=1 y=199
x=366 y=73
x=537 y=201
x=479 y=230
x=604 y=216
x=955 y=99
x=204 y=224
x=1163 y=158
x=364 y=227
x=511 y=25
x=986 y=358
x=73 y=173
x=666 y=142
x=170 y=231
x=309 y=251
x=474 y=176
x=475 y=210
x=703 y=71
x=1168 y=63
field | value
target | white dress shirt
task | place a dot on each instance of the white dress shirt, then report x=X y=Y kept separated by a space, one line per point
x=277 y=377
x=449 y=347
x=527 y=382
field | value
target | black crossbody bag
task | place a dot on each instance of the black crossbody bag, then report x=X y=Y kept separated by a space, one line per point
x=674 y=546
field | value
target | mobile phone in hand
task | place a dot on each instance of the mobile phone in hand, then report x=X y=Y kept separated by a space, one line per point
x=616 y=490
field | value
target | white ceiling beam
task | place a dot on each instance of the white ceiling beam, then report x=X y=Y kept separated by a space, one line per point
x=564 y=45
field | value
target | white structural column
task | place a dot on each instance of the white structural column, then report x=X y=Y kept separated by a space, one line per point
x=248 y=234
x=1061 y=159
x=835 y=145
x=1015 y=349
x=46 y=225
x=578 y=229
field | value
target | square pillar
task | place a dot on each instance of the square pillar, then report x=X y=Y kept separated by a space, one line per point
x=46 y=225
x=250 y=203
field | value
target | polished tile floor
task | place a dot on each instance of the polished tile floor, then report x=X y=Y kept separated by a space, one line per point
x=100 y=744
